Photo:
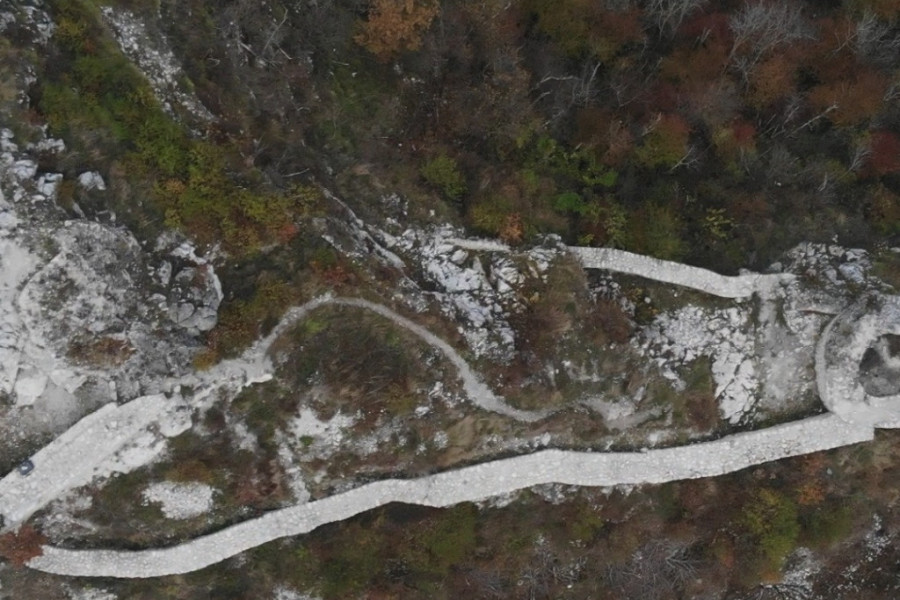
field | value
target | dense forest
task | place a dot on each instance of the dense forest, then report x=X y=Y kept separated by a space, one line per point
x=721 y=133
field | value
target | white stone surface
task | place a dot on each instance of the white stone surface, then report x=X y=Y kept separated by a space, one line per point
x=121 y=438
x=73 y=458
x=741 y=286
x=180 y=500
x=92 y=180
x=839 y=353
x=472 y=274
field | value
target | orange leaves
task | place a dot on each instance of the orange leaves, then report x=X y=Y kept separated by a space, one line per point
x=771 y=80
x=512 y=229
x=395 y=25
x=693 y=65
x=858 y=96
x=287 y=232
x=18 y=547
x=744 y=133
x=885 y=153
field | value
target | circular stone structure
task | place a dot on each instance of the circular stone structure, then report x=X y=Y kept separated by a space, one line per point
x=849 y=338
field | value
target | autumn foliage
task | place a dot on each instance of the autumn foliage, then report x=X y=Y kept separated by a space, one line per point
x=665 y=141
x=395 y=25
x=885 y=153
x=18 y=547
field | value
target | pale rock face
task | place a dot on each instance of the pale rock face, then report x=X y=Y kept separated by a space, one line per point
x=474 y=283
x=194 y=298
x=91 y=594
x=761 y=348
x=180 y=500
x=92 y=180
x=151 y=54
x=84 y=320
x=283 y=593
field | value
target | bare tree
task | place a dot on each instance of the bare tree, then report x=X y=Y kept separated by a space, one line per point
x=668 y=15
x=876 y=40
x=546 y=571
x=568 y=91
x=656 y=570
x=860 y=157
x=630 y=85
x=782 y=167
x=256 y=34
x=690 y=159
x=488 y=584
x=760 y=27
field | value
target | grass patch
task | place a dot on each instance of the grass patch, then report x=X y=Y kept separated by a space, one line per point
x=886 y=267
x=367 y=362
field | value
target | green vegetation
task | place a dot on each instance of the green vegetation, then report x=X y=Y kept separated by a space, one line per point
x=388 y=378
x=825 y=526
x=887 y=267
x=93 y=95
x=726 y=163
x=452 y=539
x=443 y=173
x=770 y=519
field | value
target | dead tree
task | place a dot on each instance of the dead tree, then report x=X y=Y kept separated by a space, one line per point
x=876 y=41
x=760 y=27
x=488 y=584
x=656 y=570
x=668 y=15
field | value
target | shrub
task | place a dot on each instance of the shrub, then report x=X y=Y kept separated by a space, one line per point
x=489 y=216
x=443 y=173
x=395 y=25
x=771 y=80
x=584 y=28
x=103 y=351
x=770 y=520
x=240 y=321
x=355 y=560
x=853 y=99
x=18 y=547
x=827 y=525
x=665 y=143
x=885 y=153
x=657 y=231
x=452 y=539
x=570 y=202
x=93 y=93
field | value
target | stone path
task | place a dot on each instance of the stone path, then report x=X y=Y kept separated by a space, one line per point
x=482 y=481
x=740 y=286
x=468 y=484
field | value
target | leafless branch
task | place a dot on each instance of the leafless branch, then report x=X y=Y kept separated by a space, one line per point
x=668 y=15
x=763 y=26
